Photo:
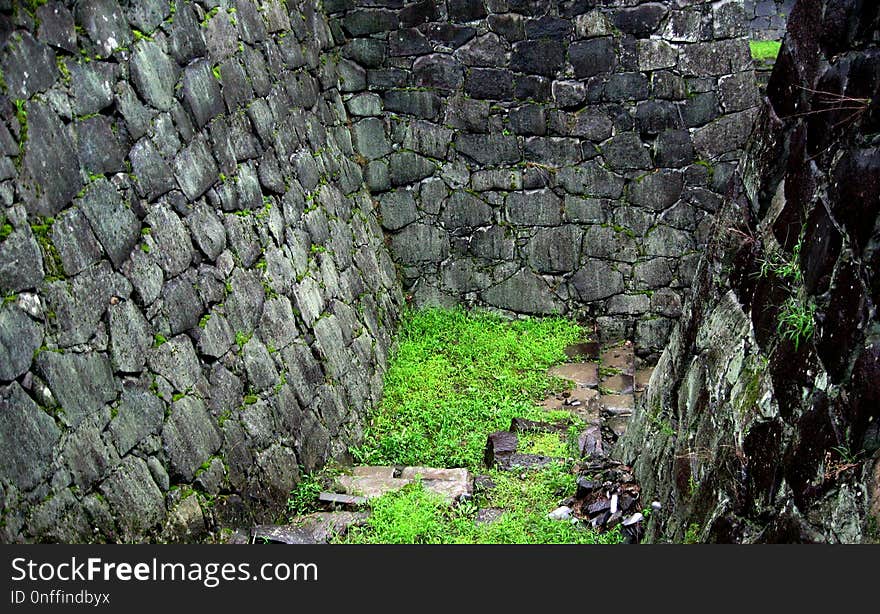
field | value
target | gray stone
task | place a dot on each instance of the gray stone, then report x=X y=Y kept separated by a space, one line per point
x=365 y=105
x=140 y=413
x=105 y=23
x=596 y=280
x=176 y=361
x=129 y=337
x=465 y=210
x=420 y=243
x=28 y=66
x=173 y=249
x=494 y=243
x=134 y=499
x=151 y=171
x=98 y=146
x=48 y=146
x=195 y=168
x=438 y=71
x=628 y=304
x=258 y=365
x=208 y=231
x=21 y=262
x=216 y=337
x=656 y=191
x=555 y=250
x=738 y=92
x=534 y=208
x=278 y=327
x=726 y=134
x=590 y=179
x=427 y=138
x=592 y=57
x=153 y=74
x=626 y=152
x=113 y=222
x=28 y=438
x=666 y=241
x=182 y=305
x=523 y=292
x=413 y=102
x=201 y=92
x=190 y=436
x=92 y=86
x=656 y=54
x=407 y=167
x=88 y=457
x=540 y=57
x=19 y=339
x=397 y=209
x=554 y=151
x=488 y=149
x=56 y=26
x=145 y=275
x=369 y=138
x=82 y=384
x=583 y=210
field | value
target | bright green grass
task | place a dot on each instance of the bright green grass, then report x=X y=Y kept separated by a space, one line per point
x=765 y=50
x=416 y=516
x=455 y=377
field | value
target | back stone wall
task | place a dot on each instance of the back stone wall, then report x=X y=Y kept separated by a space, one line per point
x=197 y=301
x=548 y=157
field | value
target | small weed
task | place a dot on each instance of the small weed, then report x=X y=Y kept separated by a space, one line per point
x=692 y=535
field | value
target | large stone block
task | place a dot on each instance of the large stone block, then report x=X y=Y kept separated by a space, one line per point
x=27 y=438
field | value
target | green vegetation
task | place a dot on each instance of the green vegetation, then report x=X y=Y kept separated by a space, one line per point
x=764 y=50
x=455 y=378
x=414 y=515
x=796 y=315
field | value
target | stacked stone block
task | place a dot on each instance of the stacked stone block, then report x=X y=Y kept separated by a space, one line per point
x=197 y=301
x=548 y=157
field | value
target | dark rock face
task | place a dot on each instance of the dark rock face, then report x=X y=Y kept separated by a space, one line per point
x=198 y=297
x=544 y=148
x=760 y=421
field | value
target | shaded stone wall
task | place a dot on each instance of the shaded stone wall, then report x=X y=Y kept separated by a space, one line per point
x=751 y=432
x=535 y=156
x=767 y=18
x=197 y=300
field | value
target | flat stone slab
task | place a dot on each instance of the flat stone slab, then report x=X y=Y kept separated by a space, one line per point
x=370 y=482
x=584 y=395
x=335 y=498
x=451 y=483
x=583 y=374
x=317 y=528
x=369 y=471
x=619 y=384
x=616 y=404
x=620 y=357
x=369 y=486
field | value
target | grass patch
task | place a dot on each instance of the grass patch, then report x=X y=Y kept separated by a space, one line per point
x=414 y=515
x=764 y=50
x=457 y=376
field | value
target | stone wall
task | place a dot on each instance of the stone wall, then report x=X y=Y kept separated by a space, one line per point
x=535 y=157
x=767 y=18
x=753 y=431
x=197 y=300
